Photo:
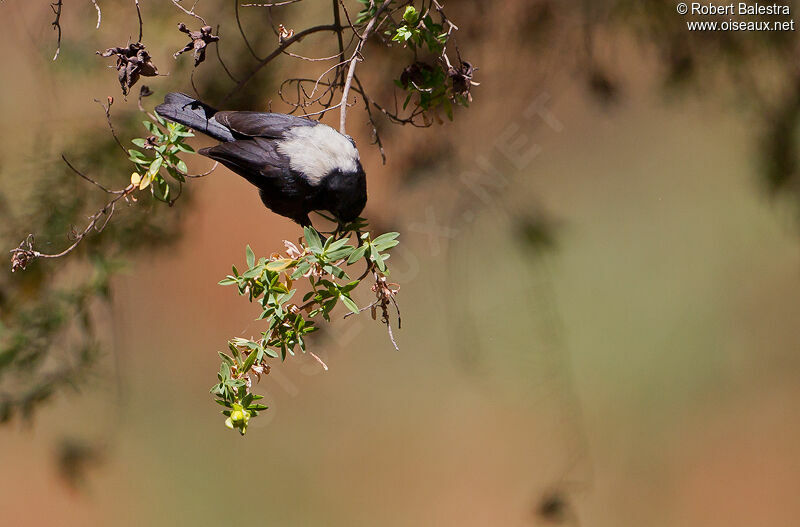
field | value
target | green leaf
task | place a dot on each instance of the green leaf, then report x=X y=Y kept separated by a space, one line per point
x=357 y=254
x=376 y=257
x=312 y=238
x=250 y=257
x=251 y=359
x=175 y=174
x=185 y=148
x=155 y=166
x=151 y=127
x=225 y=357
x=280 y=265
x=138 y=158
x=410 y=15
x=349 y=287
x=385 y=241
x=348 y=302
x=139 y=142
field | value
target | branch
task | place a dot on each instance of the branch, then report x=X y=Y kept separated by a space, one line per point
x=107 y=109
x=241 y=31
x=189 y=12
x=275 y=4
x=139 y=14
x=337 y=20
x=99 y=14
x=25 y=253
x=371 y=119
x=352 y=70
x=57 y=24
x=283 y=45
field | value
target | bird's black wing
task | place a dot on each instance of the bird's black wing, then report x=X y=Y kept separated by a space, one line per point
x=255 y=159
x=260 y=124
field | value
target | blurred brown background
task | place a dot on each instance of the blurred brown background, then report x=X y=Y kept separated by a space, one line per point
x=600 y=329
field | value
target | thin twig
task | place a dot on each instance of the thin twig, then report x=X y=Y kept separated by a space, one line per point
x=375 y=133
x=241 y=31
x=275 y=4
x=189 y=12
x=391 y=335
x=107 y=109
x=283 y=45
x=99 y=14
x=352 y=70
x=204 y=174
x=219 y=57
x=90 y=180
x=23 y=254
x=337 y=20
x=324 y=366
x=139 y=14
x=57 y=24
x=349 y=22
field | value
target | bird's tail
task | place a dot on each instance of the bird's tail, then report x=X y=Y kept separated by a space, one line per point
x=190 y=112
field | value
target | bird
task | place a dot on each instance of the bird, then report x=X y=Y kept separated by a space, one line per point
x=299 y=165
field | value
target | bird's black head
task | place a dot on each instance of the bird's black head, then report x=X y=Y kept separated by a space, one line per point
x=346 y=194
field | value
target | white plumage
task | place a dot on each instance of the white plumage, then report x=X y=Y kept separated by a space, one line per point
x=316 y=151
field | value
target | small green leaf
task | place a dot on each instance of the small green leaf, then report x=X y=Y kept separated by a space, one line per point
x=185 y=148
x=250 y=257
x=376 y=257
x=357 y=254
x=251 y=359
x=151 y=127
x=155 y=166
x=348 y=302
x=312 y=238
x=410 y=15
x=280 y=265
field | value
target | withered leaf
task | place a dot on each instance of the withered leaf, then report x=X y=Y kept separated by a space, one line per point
x=197 y=44
x=133 y=61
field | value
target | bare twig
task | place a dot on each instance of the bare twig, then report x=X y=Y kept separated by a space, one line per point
x=189 y=12
x=25 y=253
x=274 y=4
x=56 y=7
x=107 y=109
x=139 y=14
x=241 y=31
x=87 y=178
x=144 y=91
x=204 y=174
x=353 y=60
x=337 y=20
x=349 y=22
x=375 y=133
x=324 y=366
x=99 y=14
x=219 y=57
x=283 y=45
x=385 y=293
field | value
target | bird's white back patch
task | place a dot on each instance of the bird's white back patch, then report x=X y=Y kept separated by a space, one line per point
x=316 y=151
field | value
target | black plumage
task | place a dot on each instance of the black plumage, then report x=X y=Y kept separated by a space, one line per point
x=298 y=165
